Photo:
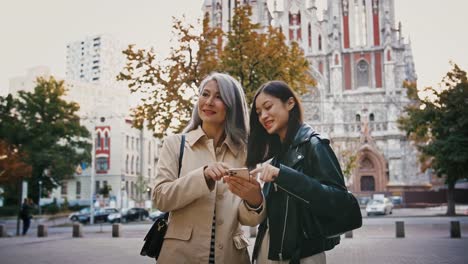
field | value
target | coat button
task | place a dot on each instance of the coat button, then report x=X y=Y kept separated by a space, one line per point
x=299 y=157
x=219 y=196
x=220 y=246
x=220 y=221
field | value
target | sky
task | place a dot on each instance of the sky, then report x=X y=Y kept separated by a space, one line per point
x=36 y=33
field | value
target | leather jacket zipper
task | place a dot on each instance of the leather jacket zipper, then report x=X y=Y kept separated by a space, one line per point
x=284 y=228
x=295 y=195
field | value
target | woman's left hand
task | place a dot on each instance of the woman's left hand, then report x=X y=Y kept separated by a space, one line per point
x=250 y=191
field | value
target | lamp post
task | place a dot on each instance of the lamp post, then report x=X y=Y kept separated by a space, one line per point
x=93 y=150
x=40 y=194
x=122 y=180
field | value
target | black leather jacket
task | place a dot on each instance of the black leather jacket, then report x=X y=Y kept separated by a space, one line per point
x=310 y=184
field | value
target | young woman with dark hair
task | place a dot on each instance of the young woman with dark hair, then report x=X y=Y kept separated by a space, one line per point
x=304 y=185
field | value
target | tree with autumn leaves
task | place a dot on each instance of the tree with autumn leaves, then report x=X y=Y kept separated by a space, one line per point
x=439 y=128
x=169 y=86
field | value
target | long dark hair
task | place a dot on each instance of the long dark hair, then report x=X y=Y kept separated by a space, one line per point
x=262 y=146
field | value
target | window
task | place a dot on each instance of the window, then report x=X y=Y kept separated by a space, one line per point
x=358 y=118
x=98 y=140
x=102 y=164
x=309 y=29
x=106 y=141
x=97 y=187
x=362 y=74
x=320 y=42
x=149 y=152
x=126 y=165
x=64 y=188
x=137 y=169
x=371 y=117
x=137 y=143
x=126 y=145
x=78 y=190
x=131 y=166
x=360 y=23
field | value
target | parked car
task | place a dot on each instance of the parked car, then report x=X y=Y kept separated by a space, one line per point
x=153 y=215
x=75 y=215
x=363 y=200
x=397 y=200
x=100 y=215
x=379 y=206
x=127 y=215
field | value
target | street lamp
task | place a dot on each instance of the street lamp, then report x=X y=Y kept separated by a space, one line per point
x=93 y=150
x=40 y=194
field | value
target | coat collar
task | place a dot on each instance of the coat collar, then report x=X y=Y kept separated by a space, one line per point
x=198 y=134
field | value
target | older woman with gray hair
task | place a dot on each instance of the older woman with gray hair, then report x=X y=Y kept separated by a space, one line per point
x=206 y=217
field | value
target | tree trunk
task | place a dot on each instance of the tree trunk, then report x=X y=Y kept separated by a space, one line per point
x=451 y=198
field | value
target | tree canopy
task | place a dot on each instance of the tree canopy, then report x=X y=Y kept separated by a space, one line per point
x=247 y=52
x=439 y=127
x=45 y=130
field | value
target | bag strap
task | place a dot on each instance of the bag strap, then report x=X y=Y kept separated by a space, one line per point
x=181 y=153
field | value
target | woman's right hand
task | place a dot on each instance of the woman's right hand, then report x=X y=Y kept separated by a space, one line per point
x=215 y=171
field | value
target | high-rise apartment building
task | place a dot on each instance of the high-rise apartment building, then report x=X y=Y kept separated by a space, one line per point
x=95 y=59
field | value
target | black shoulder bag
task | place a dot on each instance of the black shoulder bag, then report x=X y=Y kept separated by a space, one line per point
x=155 y=236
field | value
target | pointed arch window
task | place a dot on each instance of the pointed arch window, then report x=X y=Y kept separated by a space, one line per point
x=362 y=74
x=98 y=140
x=106 y=140
x=320 y=42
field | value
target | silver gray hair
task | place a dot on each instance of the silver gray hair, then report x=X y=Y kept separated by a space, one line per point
x=232 y=94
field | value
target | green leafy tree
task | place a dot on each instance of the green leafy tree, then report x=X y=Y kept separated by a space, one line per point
x=169 y=86
x=440 y=129
x=46 y=130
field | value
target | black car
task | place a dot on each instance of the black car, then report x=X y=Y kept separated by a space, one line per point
x=100 y=215
x=132 y=214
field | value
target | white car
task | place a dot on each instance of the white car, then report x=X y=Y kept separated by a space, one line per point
x=380 y=206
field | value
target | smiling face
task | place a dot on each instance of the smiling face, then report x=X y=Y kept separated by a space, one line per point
x=273 y=114
x=211 y=107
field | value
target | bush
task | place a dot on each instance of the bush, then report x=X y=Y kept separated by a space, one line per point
x=10 y=210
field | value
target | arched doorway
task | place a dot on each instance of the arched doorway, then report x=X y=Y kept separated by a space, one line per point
x=370 y=171
x=367 y=183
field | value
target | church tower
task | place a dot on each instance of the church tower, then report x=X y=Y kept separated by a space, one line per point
x=360 y=59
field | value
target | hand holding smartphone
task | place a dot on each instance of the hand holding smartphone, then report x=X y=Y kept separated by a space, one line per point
x=240 y=172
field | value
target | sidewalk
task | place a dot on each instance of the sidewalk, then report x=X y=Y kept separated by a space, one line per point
x=371 y=244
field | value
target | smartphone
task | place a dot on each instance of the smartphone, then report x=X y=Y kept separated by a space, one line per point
x=240 y=172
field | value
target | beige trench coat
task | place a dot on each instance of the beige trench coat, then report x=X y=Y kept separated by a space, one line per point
x=192 y=204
